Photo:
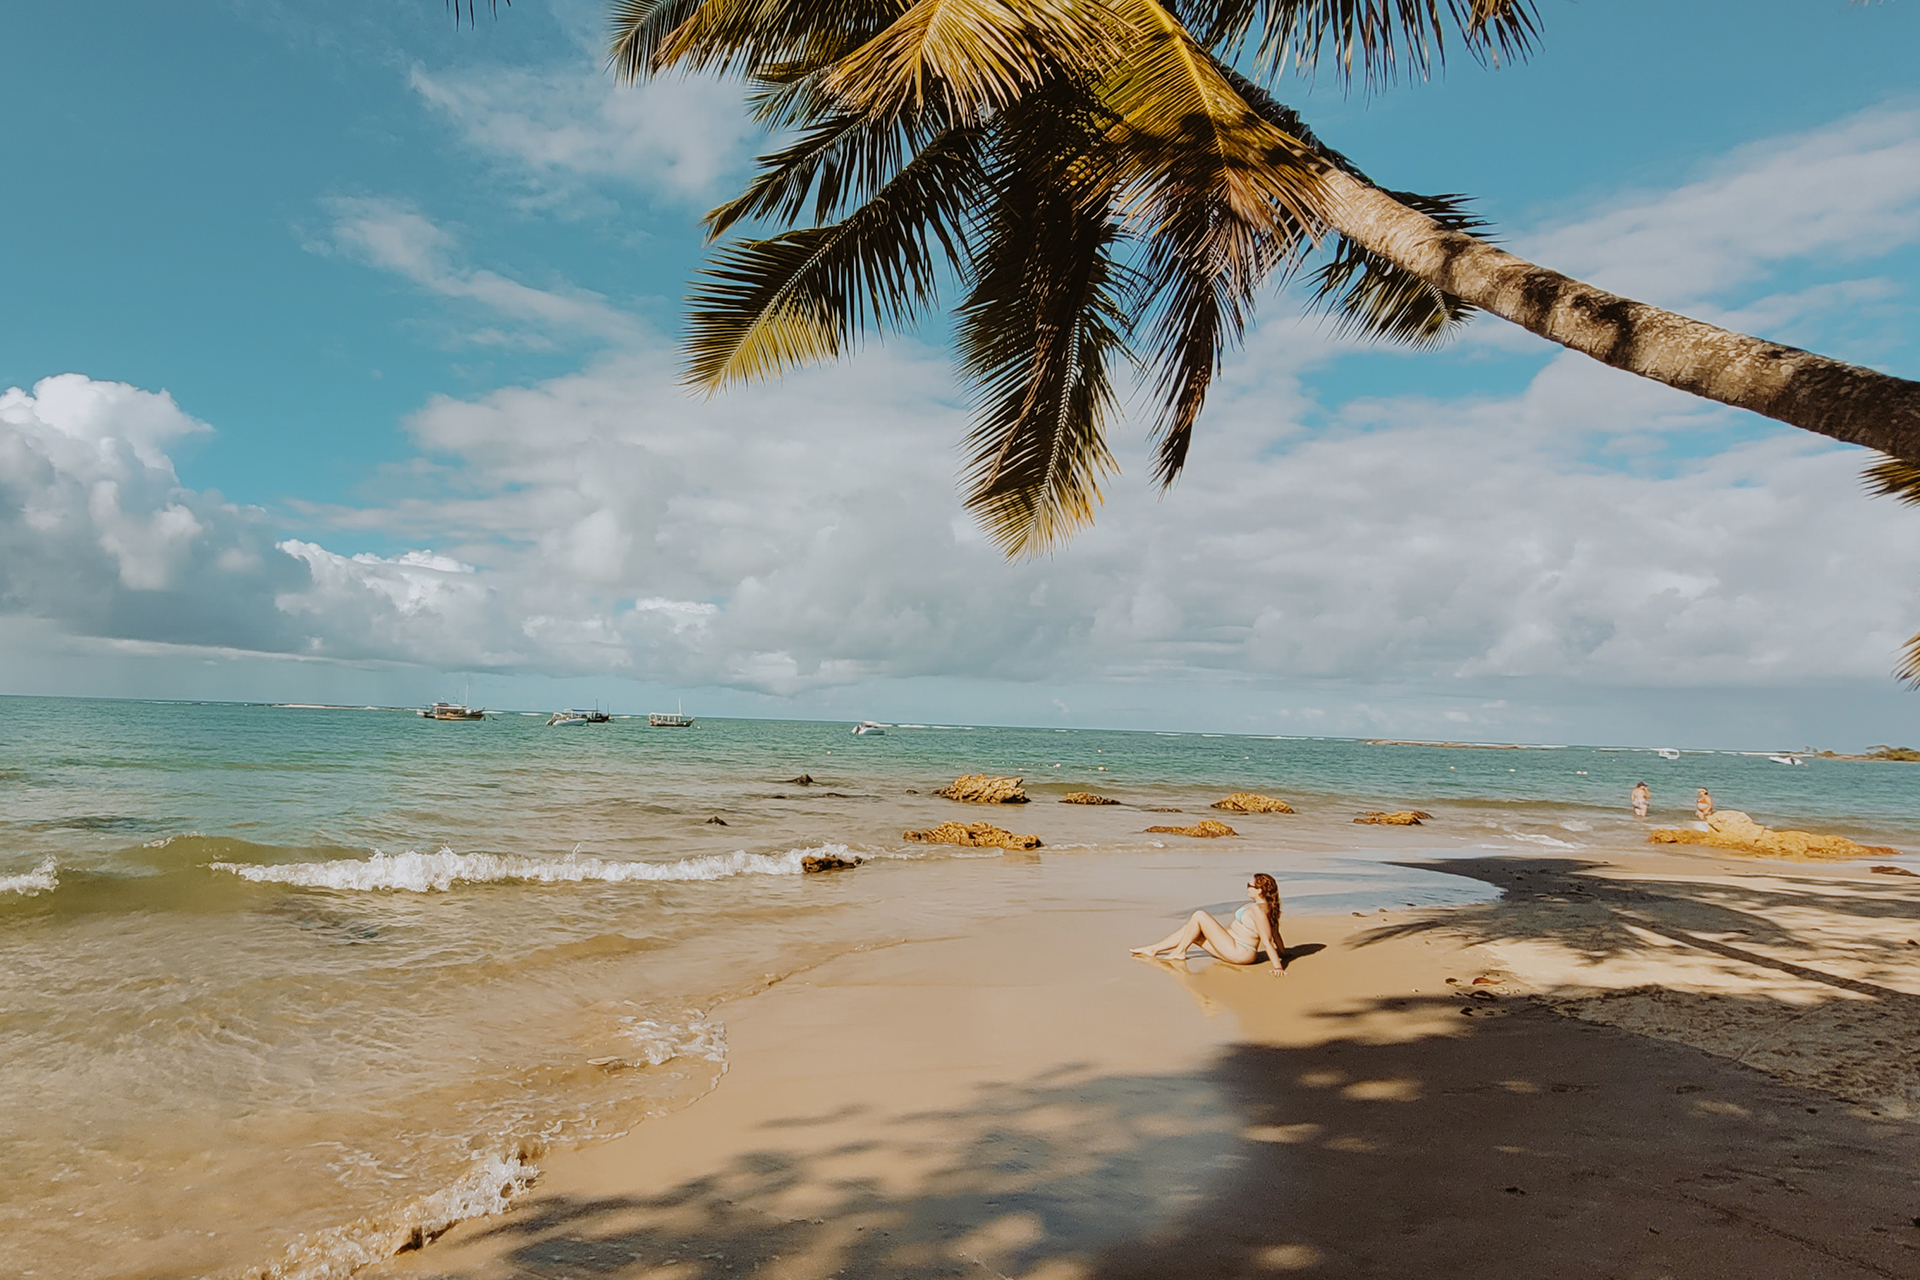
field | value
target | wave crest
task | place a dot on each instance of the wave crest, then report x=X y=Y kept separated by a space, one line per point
x=425 y=872
x=42 y=879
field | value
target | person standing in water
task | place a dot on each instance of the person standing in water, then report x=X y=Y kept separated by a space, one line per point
x=1255 y=928
x=1703 y=806
x=1642 y=797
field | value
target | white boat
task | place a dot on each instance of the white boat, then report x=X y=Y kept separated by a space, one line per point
x=1786 y=759
x=670 y=720
x=568 y=717
x=867 y=727
x=1667 y=753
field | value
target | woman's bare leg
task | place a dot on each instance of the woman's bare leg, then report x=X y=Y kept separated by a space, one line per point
x=1200 y=930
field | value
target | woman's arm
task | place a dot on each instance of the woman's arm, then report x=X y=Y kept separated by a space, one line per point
x=1274 y=944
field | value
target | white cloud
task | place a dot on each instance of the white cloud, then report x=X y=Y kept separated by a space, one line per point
x=559 y=130
x=395 y=237
x=1841 y=192
x=97 y=533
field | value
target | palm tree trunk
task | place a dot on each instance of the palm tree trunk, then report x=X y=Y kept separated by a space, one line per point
x=1797 y=387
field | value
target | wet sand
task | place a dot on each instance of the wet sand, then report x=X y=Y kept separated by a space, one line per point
x=1683 y=1068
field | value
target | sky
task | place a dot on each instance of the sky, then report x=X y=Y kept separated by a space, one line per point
x=338 y=364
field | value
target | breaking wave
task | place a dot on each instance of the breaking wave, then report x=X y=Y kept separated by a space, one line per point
x=39 y=880
x=424 y=872
x=333 y=1254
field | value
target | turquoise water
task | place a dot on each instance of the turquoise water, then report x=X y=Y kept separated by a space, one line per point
x=289 y=984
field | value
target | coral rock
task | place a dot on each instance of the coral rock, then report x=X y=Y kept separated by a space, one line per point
x=1404 y=818
x=1206 y=828
x=814 y=863
x=1733 y=830
x=1248 y=802
x=978 y=788
x=1085 y=797
x=973 y=835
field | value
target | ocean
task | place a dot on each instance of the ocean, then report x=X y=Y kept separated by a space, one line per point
x=283 y=989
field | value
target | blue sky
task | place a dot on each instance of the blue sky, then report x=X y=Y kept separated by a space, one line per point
x=386 y=267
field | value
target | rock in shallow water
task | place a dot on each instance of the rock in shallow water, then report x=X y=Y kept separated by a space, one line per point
x=1085 y=797
x=813 y=863
x=1206 y=828
x=975 y=835
x=978 y=788
x=1733 y=830
x=1248 y=802
x=1403 y=818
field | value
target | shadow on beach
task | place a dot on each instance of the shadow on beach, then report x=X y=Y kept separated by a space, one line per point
x=1526 y=1146
x=1452 y=1133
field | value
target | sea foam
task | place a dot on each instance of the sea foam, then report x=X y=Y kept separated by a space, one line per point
x=423 y=872
x=39 y=880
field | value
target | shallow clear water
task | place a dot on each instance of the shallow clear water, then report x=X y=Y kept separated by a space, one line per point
x=280 y=986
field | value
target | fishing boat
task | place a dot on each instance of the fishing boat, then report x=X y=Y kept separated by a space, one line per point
x=578 y=715
x=867 y=727
x=453 y=711
x=676 y=719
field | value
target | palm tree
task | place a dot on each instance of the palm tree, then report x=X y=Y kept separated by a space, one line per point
x=1107 y=188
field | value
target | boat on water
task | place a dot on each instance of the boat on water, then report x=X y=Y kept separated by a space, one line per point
x=1667 y=753
x=577 y=715
x=1789 y=759
x=453 y=711
x=670 y=720
x=867 y=727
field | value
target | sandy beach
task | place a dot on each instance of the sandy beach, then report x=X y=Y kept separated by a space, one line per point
x=1624 y=1067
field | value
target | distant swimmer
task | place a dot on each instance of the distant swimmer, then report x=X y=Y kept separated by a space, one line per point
x=1642 y=797
x=1703 y=806
x=1255 y=928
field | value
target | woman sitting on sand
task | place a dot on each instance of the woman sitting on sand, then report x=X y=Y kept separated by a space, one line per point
x=1255 y=928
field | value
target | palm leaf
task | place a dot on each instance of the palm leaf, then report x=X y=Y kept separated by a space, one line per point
x=638 y=28
x=1039 y=328
x=1894 y=478
x=797 y=298
x=1183 y=124
x=840 y=160
x=1368 y=296
x=970 y=57
x=1371 y=40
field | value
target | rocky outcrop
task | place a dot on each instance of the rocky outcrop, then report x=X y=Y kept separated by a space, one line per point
x=972 y=835
x=804 y=780
x=1734 y=831
x=1403 y=818
x=1248 y=802
x=814 y=863
x=1205 y=829
x=1893 y=871
x=716 y=821
x=978 y=788
x=1161 y=808
x=1085 y=797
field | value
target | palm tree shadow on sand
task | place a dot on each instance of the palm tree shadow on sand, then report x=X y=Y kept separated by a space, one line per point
x=1521 y=1145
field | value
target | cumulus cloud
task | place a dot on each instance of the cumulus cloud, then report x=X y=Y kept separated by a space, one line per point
x=97 y=533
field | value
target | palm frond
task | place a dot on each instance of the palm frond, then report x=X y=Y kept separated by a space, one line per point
x=1893 y=478
x=1368 y=296
x=637 y=30
x=968 y=57
x=1042 y=323
x=749 y=36
x=1183 y=124
x=1909 y=668
x=765 y=305
x=839 y=161
x=1369 y=40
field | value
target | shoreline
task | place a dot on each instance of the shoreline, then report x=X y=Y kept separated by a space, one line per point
x=1667 y=1038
